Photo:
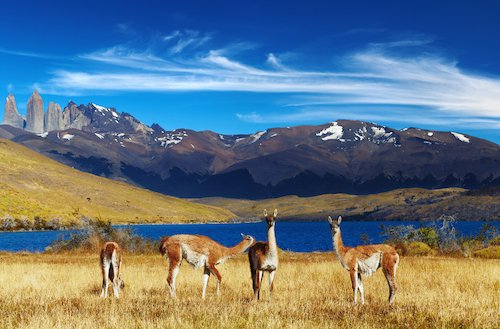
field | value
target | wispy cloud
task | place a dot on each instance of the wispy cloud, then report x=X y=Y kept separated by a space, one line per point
x=368 y=79
x=28 y=54
x=186 y=39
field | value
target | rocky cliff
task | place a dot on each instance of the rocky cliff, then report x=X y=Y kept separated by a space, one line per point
x=35 y=114
x=54 y=118
x=11 y=115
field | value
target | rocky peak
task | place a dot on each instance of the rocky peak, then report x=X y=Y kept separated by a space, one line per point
x=11 y=115
x=35 y=114
x=75 y=116
x=54 y=118
x=157 y=128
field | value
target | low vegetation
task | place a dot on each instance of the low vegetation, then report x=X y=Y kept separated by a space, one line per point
x=35 y=188
x=403 y=204
x=62 y=291
x=93 y=233
x=441 y=238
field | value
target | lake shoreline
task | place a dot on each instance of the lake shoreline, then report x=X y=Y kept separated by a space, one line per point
x=303 y=236
x=251 y=221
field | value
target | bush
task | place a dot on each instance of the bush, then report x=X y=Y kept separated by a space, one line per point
x=440 y=235
x=418 y=249
x=427 y=235
x=7 y=223
x=94 y=233
x=495 y=241
x=492 y=252
x=24 y=223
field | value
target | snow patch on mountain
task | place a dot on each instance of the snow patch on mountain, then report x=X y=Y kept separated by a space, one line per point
x=171 y=139
x=430 y=134
x=99 y=107
x=255 y=137
x=460 y=137
x=360 y=134
x=68 y=137
x=334 y=132
x=99 y=136
x=379 y=132
x=43 y=135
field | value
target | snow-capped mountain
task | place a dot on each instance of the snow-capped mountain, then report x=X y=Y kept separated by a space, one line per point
x=342 y=156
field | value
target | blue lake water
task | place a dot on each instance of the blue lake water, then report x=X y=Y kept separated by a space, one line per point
x=292 y=236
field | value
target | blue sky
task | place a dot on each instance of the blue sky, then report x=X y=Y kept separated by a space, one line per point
x=243 y=66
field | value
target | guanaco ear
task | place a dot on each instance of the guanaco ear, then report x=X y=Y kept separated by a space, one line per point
x=275 y=212
x=339 y=220
x=243 y=235
x=265 y=212
x=330 y=220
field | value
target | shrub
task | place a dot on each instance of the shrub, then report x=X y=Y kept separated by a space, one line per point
x=7 y=223
x=39 y=223
x=495 y=241
x=418 y=249
x=94 y=233
x=492 y=252
x=427 y=235
x=397 y=234
x=24 y=223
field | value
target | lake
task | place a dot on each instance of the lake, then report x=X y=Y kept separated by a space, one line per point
x=292 y=236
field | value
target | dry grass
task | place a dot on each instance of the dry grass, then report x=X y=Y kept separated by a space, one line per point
x=407 y=204
x=312 y=290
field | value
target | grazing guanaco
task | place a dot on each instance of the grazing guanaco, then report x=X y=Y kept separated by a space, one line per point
x=199 y=251
x=263 y=257
x=365 y=260
x=111 y=262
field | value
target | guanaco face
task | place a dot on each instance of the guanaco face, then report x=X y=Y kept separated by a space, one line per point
x=334 y=224
x=270 y=219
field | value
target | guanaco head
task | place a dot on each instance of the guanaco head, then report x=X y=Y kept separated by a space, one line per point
x=334 y=224
x=270 y=219
x=250 y=239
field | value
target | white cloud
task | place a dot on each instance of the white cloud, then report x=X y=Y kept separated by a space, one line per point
x=185 y=39
x=275 y=62
x=419 y=86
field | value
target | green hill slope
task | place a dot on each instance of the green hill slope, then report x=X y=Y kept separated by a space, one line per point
x=33 y=185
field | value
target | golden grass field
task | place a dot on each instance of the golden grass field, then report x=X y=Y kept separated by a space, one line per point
x=34 y=185
x=311 y=291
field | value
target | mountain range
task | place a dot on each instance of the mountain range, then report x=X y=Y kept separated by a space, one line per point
x=343 y=156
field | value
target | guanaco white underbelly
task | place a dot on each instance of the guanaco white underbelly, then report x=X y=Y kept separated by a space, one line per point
x=194 y=258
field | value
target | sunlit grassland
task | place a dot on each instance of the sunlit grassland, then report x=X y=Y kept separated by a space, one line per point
x=34 y=185
x=400 y=204
x=311 y=290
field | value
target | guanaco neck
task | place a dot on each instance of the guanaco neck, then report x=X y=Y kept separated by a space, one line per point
x=237 y=249
x=339 y=247
x=271 y=240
